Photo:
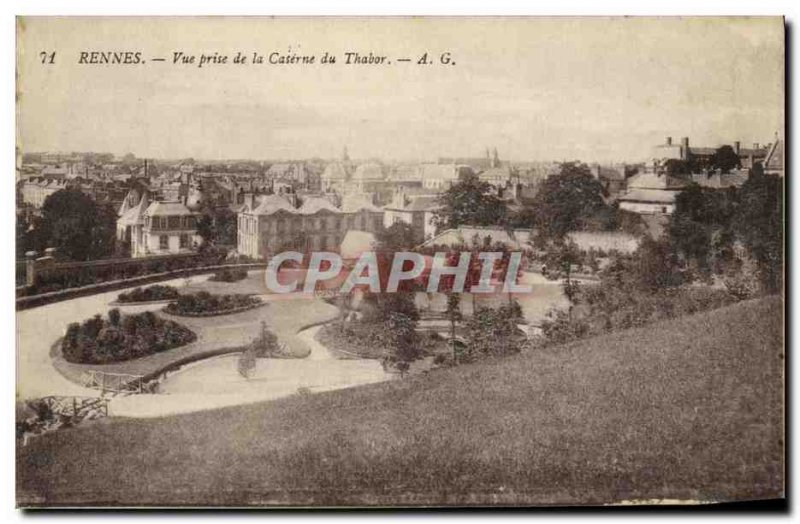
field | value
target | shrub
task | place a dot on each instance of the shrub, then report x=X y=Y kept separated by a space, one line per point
x=266 y=344
x=149 y=294
x=98 y=341
x=203 y=302
x=229 y=275
x=493 y=332
x=610 y=306
x=246 y=362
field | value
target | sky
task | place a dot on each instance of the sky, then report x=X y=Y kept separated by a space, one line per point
x=590 y=89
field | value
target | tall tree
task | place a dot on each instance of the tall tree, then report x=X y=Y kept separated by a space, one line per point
x=561 y=258
x=565 y=202
x=402 y=342
x=470 y=202
x=725 y=159
x=217 y=225
x=453 y=314
x=77 y=226
x=400 y=236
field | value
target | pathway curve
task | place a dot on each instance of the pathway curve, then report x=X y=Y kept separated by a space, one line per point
x=206 y=384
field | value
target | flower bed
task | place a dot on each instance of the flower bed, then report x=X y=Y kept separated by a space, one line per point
x=204 y=304
x=119 y=337
x=229 y=275
x=149 y=294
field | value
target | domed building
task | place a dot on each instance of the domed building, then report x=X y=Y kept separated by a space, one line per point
x=335 y=176
x=367 y=178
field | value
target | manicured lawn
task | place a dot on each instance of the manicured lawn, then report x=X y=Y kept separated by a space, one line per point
x=683 y=409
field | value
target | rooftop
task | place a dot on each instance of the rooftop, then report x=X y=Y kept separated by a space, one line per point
x=315 y=205
x=657 y=196
x=355 y=203
x=168 y=208
x=272 y=204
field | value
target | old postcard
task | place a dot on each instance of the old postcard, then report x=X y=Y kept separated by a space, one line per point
x=399 y=261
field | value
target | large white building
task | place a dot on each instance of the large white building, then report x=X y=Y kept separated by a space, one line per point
x=170 y=228
x=272 y=224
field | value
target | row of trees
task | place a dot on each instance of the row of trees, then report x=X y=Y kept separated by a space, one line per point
x=570 y=200
x=723 y=160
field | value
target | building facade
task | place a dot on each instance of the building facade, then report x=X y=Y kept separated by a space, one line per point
x=158 y=228
x=415 y=210
x=274 y=225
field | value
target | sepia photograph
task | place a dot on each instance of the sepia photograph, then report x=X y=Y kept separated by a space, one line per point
x=400 y=262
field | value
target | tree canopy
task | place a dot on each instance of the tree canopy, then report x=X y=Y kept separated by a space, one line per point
x=470 y=202
x=77 y=226
x=708 y=223
x=725 y=159
x=565 y=202
x=400 y=236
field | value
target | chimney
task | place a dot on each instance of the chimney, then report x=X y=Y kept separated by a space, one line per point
x=736 y=147
x=685 y=148
x=685 y=142
x=669 y=140
x=755 y=145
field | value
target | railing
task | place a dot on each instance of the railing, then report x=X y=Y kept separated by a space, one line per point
x=114 y=382
x=76 y=407
x=55 y=412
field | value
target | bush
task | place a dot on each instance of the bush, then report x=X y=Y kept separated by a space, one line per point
x=203 y=302
x=229 y=275
x=98 y=341
x=493 y=332
x=610 y=307
x=149 y=294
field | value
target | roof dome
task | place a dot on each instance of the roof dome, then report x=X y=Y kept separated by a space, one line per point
x=335 y=171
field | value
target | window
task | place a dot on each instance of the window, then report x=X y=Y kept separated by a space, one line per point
x=184 y=241
x=163 y=242
x=174 y=222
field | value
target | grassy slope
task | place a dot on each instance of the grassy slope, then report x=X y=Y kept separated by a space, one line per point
x=690 y=408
